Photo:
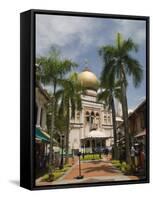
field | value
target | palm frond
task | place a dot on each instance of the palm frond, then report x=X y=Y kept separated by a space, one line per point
x=134 y=69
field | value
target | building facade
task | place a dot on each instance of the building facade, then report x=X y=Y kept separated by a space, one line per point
x=136 y=124
x=91 y=129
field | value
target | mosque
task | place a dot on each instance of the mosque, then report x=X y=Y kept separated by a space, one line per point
x=91 y=129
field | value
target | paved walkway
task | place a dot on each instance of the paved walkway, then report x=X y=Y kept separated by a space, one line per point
x=92 y=171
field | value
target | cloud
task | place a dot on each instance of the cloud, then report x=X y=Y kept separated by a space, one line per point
x=63 y=31
x=80 y=37
x=76 y=36
x=134 y=29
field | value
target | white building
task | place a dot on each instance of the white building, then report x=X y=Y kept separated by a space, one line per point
x=92 y=127
x=42 y=98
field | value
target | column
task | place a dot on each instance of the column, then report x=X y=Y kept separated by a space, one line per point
x=95 y=143
x=90 y=145
x=43 y=123
x=38 y=116
x=90 y=121
x=101 y=145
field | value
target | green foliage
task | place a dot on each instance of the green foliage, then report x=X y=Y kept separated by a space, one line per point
x=91 y=157
x=68 y=96
x=53 y=68
x=116 y=163
x=68 y=165
x=57 y=173
x=124 y=167
x=117 y=56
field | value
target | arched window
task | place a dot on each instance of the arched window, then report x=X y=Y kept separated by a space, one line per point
x=87 y=116
x=92 y=113
x=105 y=119
x=97 y=119
x=87 y=113
x=97 y=114
x=92 y=117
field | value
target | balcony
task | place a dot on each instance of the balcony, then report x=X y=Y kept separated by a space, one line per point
x=93 y=127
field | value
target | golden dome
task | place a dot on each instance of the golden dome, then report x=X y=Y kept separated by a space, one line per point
x=88 y=79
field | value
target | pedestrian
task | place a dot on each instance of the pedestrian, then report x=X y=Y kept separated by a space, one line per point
x=122 y=154
x=136 y=157
x=133 y=157
x=106 y=153
x=141 y=156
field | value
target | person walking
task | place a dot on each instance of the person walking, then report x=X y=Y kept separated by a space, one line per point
x=133 y=157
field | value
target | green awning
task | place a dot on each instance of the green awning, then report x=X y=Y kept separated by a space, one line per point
x=40 y=135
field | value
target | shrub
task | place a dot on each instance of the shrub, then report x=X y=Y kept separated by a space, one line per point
x=91 y=157
x=116 y=163
x=124 y=167
x=57 y=173
x=68 y=165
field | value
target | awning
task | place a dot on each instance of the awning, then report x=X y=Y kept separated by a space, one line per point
x=97 y=134
x=41 y=136
x=143 y=133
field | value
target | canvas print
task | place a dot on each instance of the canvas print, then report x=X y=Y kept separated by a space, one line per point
x=90 y=100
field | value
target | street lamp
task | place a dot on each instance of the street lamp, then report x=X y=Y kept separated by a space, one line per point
x=79 y=176
x=61 y=164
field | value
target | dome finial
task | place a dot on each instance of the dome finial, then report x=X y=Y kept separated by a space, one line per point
x=86 y=63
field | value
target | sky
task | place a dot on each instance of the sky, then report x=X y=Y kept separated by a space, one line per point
x=79 y=39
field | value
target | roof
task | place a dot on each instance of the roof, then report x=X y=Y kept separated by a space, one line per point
x=43 y=91
x=137 y=107
x=135 y=110
x=88 y=79
x=143 y=133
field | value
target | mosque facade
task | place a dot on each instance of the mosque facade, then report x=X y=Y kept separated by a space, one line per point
x=91 y=130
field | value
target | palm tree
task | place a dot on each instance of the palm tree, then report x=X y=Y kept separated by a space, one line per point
x=51 y=70
x=70 y=102
x=107 y=95
x=119 y=64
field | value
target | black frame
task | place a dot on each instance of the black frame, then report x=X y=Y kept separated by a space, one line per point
x=27 y=96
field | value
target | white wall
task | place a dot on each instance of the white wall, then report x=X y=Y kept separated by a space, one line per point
x=9 y=100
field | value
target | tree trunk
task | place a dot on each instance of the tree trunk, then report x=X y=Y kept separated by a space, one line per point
x=67 y=133
x=51 y=133
x=115 y=157
x=125 y=117
x=50 y=126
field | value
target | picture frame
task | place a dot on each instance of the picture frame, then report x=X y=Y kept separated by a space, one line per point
x=56 y=150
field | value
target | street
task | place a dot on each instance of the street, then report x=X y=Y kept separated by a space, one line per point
x=92 y=171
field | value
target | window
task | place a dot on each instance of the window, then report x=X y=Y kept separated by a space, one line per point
x=97 y=114
x=109 y=120
x=105 y=119
x=87 y=116
x=92 y=117
x=92 y=113
x=78 y=116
